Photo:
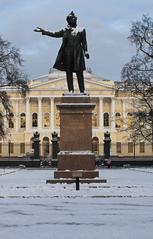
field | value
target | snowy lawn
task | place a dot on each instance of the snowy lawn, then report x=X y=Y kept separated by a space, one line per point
x=120 y=208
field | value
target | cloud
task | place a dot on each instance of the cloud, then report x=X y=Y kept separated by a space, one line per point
x=107 y=24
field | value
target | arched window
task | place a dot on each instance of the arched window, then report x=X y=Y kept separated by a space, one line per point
x=22 y=120
x=106 y=119
x=34 y=120
x=118 y=115
x=129 y=114
x=95 y=145
x=118 y=120
x=11 y=121
x=129 y=120
x=46 y=120
x=46 y=146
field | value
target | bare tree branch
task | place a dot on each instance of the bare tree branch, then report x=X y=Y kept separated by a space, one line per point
x=137 y=76
x=10 y=76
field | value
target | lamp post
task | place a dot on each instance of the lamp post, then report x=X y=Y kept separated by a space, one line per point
x=9 y=145
x=134 y=141
x=133 y=136
x=151 y=118
x=107 y=142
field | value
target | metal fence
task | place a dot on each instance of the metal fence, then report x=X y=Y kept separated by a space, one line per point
x=131 y=149
x=116 y=149
x=23 y=150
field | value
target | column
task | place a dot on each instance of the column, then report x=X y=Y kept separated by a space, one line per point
x=4 y=117
x=101 y=123
x=124 y=112
x=52 y=114
x=113 y=113
x=39 y=114
x=27 y=114
x=17 y=115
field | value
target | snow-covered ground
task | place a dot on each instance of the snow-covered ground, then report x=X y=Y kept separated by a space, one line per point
x=120 y=208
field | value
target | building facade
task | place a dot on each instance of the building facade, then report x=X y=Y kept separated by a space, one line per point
x=38 y=112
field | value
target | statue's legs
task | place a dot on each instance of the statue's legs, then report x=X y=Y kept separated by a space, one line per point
x=80 y=78
x=69 y=76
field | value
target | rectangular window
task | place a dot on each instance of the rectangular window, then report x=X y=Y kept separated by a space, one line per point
x=11 y=124
x=34 y=120
x=142 y=147
x=22 y=148
x=10 y=148
x=130 y=147
x=46 y=120
x=118 y=147
x=0 y=148
x=106 y=119
x=22 y=120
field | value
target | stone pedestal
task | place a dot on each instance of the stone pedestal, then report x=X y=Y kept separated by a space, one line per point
x=75 y=137
x=54 y=145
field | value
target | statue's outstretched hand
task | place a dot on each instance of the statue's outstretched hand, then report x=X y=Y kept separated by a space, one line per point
x=38 y=29
x=87 y=55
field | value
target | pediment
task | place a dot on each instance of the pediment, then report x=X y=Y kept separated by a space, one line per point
x=60 y=84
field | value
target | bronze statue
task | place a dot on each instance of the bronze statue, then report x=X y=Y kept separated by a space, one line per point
x=70 y=57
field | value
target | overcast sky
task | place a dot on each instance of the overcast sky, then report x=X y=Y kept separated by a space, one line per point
x=107 y=24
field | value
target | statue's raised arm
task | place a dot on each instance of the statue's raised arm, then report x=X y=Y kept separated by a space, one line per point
x=38 y=29
x=48 y=33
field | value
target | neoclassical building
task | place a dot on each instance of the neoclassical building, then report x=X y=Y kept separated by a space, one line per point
x=38 y=112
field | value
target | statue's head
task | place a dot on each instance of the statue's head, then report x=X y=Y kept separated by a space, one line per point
x=71 y=19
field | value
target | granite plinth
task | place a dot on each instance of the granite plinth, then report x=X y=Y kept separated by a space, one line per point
x=75 y=137
x=75 y=123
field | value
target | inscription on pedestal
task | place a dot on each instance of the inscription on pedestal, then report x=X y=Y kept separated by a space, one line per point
x=77 y=174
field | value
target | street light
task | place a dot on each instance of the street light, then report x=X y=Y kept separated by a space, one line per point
x=134 y=141
x=9 y=145
x=133 y=136
x=151 y=118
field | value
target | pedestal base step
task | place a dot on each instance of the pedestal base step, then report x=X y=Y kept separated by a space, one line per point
x=76 y=173
x=68 y=181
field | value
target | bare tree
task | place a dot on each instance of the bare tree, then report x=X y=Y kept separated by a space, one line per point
x=10 y=76
x=137 y=76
